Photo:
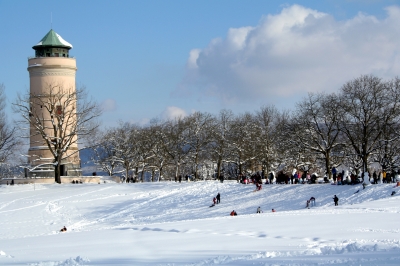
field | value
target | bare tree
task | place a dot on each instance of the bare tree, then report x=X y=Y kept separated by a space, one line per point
x=201 y=127
x=9 y=141
x=370 y=106
x=266 y=122
x=243 y=138
x=125 y=141
x=176 y=143
x=220 y=150
x=316 y=128
x=103 y=152
x=58 y=117
x=159 y=159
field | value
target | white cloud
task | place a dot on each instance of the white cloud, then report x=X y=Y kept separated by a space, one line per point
x=292 y=52
x=172 y=112
x=109 y=105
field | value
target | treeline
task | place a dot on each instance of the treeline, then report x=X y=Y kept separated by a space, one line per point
x=357 y=127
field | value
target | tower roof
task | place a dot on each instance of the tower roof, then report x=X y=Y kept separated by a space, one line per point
x=54 y=40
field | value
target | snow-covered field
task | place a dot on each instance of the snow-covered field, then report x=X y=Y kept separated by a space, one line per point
x=172 y=224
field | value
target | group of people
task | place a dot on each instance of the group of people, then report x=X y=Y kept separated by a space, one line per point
x=281 y=178
x=234 y=213
x=384 y=177
x=304 y=177
x=216 y=200
x=260 y=211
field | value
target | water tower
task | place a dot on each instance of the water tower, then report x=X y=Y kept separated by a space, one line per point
x=51 y=64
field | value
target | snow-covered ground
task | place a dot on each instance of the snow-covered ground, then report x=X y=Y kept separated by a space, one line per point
x=172 y=224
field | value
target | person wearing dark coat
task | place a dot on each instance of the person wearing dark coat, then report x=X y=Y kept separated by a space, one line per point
x=218 y=198
x=64 y=229
x=334 y=172
x=336 y=200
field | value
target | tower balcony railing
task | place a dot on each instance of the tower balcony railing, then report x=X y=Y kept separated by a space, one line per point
x=33 y=57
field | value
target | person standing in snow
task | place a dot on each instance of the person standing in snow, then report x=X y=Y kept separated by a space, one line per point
x=259 y=209
x=334 y=172
x=336 y=200
x=296 y=178
x=218 y=198
x=312 y=201
x=271 y=177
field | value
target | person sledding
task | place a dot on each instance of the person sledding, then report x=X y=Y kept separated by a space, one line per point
x=64 y=229
x=233 y=213
x=214 y=201
x=258 y=186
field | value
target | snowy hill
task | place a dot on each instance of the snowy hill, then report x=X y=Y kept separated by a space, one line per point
x=172 y=224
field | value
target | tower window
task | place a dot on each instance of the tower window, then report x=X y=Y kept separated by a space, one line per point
x=58 y=110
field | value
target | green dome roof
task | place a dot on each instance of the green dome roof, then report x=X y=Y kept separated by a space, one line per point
x=52 y=39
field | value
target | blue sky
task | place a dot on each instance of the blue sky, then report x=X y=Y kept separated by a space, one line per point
x=147 y=59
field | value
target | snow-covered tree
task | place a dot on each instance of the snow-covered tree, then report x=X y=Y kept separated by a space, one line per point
x=103 y=152
x=9 y=141
x=60 y=115
x=243 y=141
x=370 y=105
x=201 y=127
x=220 y=149
x=315 y=127
x=176 y=143
x=267 y=134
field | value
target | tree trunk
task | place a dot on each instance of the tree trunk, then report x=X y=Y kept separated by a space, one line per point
x=136 y=173
x=142 y=175
x=195 y=167
x=126 y=173
x=57 y=174
x=176 y=171
x=327 y=165
x=365 y=170
x=160 y=174
x=219 y=163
